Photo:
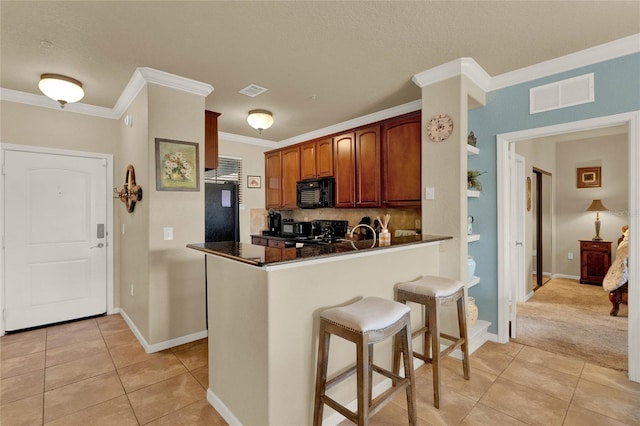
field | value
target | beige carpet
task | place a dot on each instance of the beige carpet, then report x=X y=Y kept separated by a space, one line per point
x=570 y=318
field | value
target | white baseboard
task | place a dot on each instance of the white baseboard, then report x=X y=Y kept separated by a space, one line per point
x=570 y=277
x=222 y=409
x=529 y=296
x=157 y=347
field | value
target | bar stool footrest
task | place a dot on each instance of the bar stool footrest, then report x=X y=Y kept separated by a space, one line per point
x=340 y=377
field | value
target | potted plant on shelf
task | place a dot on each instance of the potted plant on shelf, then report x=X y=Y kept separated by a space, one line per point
x=472 y=180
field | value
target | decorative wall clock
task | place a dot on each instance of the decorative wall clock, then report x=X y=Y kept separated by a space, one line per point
x=440 y=127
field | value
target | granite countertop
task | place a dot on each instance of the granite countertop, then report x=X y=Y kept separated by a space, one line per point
x=263 y=256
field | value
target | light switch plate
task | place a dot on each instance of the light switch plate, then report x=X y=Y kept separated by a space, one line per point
x=429 y=193
x=168 y=233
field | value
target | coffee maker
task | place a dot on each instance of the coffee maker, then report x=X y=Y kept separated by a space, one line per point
x=274 y=224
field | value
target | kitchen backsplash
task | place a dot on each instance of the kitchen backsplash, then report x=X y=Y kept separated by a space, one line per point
x=400 y=218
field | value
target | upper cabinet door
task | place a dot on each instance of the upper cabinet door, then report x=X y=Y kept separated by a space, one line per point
x=401 y=161
x=324 y=157
x=368 y=167
x=344 y=166
x=290 y=176
x=308 y=160
x=316 y=159
x=273 y=179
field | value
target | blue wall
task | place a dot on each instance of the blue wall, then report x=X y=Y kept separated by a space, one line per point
x=617 y=90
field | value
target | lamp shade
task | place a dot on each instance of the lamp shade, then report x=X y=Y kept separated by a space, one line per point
x=61 y=88
x=260 y=119
x=597 y=206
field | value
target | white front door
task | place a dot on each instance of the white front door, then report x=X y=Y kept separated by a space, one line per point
x=55 y=215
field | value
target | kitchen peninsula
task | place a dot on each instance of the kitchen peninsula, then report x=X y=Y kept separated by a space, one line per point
x=264 y=305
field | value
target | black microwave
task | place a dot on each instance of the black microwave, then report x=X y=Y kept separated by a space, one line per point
x=315 y=193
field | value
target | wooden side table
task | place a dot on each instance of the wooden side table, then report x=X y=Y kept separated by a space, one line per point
x=595 y=259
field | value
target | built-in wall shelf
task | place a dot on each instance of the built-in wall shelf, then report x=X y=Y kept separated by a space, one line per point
x=472 y=150
x=473 y=194
x=473 y=237
x=474 y=281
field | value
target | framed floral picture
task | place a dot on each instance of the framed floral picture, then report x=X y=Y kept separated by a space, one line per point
x=177 y=165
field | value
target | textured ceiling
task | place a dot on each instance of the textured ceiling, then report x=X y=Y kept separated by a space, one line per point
x=323 y=62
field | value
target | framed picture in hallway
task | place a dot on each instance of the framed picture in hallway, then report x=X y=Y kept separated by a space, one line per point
x=177 y=165
x=589 y=177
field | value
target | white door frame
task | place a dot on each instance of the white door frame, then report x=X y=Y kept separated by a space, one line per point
x=632 y=120
x=109 y=202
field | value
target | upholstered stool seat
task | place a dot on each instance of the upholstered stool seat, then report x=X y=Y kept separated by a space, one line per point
x=365 y=322
x=431 y=292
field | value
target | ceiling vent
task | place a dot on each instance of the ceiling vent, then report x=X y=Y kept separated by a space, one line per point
x=561 y=94
x=253 y=90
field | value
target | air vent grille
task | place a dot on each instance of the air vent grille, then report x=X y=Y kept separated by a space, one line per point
x=253 y=90
x=562 y=94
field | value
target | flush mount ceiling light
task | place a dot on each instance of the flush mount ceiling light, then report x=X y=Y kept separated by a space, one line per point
x=260 y=119
x=61 y=88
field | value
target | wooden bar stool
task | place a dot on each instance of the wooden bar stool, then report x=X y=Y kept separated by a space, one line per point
x=431 y=292
x=365 y=322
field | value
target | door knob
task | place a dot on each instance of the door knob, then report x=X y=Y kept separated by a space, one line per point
x=100 y=245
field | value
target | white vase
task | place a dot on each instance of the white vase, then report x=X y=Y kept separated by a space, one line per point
x=471 y=268
x=472 y=312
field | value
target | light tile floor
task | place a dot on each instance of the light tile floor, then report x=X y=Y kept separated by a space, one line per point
x=95 y=372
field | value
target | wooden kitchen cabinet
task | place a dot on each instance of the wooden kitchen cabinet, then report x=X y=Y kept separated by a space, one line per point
x=356 y=168
x=401 y=141
x=290 y=176
x=211 y=139
x=316 y=158
x=595 y=260
x=273 y=179
x=282 y=171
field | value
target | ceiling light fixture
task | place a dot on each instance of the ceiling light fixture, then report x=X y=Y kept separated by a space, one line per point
x=260 y=119
x=61 y=88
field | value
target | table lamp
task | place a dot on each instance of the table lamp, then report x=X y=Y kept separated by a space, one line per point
x=597 y=206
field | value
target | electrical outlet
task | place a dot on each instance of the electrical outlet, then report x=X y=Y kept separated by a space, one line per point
x=570 y=256
x=123 y=229
x=418 y=224
x=131 y=289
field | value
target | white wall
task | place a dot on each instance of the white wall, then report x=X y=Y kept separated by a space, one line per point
x=573 y=222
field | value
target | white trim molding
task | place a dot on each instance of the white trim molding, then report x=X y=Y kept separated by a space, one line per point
x=466 y=66
x=470 y=68
x=140 y=77
x=632 y=121
x=157 y=347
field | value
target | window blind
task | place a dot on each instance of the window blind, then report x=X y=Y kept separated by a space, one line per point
x=229 y=171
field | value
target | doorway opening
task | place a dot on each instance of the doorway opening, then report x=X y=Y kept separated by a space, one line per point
x=542 y=201
x=507 y=242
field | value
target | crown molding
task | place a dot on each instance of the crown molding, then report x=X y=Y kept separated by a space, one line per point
x=140 y=77
x=593 y=55
x=232 y=137
x=356 y=122
x=45 y=102
x=466 y=66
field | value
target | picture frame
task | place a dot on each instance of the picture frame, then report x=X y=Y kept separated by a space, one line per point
x=177 y=165
x=589 y=177
x=254 y=181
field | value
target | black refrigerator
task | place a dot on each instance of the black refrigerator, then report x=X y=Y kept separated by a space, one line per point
x=221 y=212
